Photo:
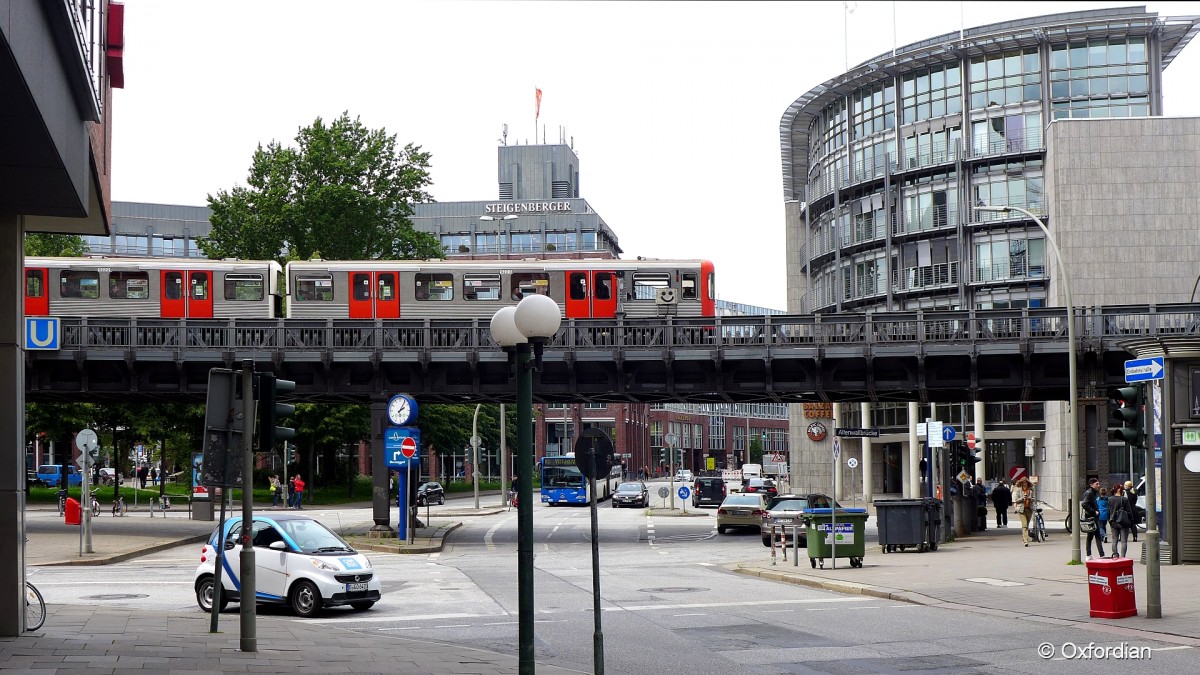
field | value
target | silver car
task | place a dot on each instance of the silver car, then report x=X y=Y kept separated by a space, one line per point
x=740 y=510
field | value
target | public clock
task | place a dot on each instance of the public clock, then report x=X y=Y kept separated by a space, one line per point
x=817 y=431
x=402 y=410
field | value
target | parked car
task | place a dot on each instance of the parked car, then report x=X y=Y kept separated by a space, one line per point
x=631 y=493
x=764 y=486
x=51 y=475
x=431 y=492
x=740 y=510
x=683 y=476
x=298 y=562
x=108 y=476
x=783 y=510
x=31 y=478
x=708 y=490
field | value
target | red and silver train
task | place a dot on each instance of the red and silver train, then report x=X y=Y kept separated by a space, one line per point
x=196 y=288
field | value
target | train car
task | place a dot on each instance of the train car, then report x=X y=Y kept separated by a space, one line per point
x=167 y=288
x=475 y=289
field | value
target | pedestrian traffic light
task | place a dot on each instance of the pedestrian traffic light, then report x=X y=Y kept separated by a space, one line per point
x=662 y=455
x=678 y=456
x=289 y=453
x=1130 y=413
x=270 y=410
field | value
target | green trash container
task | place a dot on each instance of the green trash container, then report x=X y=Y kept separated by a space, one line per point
x=847 y=525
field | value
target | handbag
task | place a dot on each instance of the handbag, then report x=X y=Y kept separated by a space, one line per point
x=1087 y=524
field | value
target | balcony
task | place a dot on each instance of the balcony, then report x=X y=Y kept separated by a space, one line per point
x=928 y=277
x=1008 y=270
x=939 y=217
x=1013 y=143
x=1035 y=205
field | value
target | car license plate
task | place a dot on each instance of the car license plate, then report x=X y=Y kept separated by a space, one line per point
x=784 y=521
x=739 y=512
x=361 y=586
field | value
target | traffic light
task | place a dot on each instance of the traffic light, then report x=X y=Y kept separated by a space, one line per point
x=289 y=453
x=662 y=455
x=270 y=410
x=679 y=457
x=1130 y=413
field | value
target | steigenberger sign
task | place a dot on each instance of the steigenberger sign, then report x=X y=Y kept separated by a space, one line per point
x=527 y=207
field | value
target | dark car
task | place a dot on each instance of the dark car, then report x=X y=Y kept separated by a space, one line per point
x=631 y=493
x=709 y=491
x=431 y=493
x=762 y=486
x=783 y=510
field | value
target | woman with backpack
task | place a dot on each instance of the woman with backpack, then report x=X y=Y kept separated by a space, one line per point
x=1120 y=517
x=1102 y=507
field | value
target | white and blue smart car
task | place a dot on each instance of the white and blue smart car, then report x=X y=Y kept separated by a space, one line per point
x=298 y=561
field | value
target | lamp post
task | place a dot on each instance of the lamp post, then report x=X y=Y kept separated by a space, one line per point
x=530 y=324
x=1073 y=425
x=499 y=230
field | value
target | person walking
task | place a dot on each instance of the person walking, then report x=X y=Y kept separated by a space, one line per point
x=291 y=492
x=1139 y=514
x=1022 y=496
x=1001 y=499
x=981 y=500
x=1091 y=512
x=299 y=493
x=274 y=488
x=1120 y=516
x=1102 y=507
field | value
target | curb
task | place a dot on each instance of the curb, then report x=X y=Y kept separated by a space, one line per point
x=127 y=555
x=438 y=536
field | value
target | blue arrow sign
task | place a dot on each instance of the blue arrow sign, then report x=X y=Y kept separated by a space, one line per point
x=948 y=433
x=1141 y=370
x=394 y=442
x=684 y=492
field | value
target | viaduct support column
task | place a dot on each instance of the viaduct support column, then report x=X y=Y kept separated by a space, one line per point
x=12 y=421
x=914 y=454
x=868 y=466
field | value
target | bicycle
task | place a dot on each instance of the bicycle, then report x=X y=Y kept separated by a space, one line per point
x=62 y=502
x=160 y=505
x=1037 y=525
x=95 y=504
x=35 y=607
x=119 y=508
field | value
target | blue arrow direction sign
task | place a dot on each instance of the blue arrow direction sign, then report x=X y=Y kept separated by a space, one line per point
x=684 y=492
x=948 y=433
x=1141 y=370
x=401 y=446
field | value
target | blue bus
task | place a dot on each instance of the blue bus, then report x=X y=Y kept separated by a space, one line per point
x=563 y=483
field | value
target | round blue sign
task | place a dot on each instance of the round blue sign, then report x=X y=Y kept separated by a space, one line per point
x=684 y=492
x=948 y=433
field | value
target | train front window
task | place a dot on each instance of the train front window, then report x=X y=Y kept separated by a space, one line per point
x=688 y=286
x=85 y=285
x=35 y=284
x=129 y=285
x=199 y=285
x=529 y=283
x=712 y=286
x=440 y=286
x=646 y=284
x=173 y=286
x=244 y=287
x=360 y=283
x=314 y=287
x=481 y=286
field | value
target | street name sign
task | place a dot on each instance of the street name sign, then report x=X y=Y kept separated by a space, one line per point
x=852 y=432
x=1142 y=370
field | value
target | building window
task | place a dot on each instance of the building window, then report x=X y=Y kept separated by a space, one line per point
x=1008 y=185
x=561 y=241
x=927 y=207
x=244 y=287
x=1100 y=78
x=1005 y=79
x=84 y=285
x=873 y=109
x=434 y=286
x=528 y=242
x=716 y=432
x=314 y=287
x=1010 y=258
x=931 y=92
x=481 y=286
x=931 y=147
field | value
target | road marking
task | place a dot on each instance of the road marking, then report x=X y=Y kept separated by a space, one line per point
x=748 y=603
x=994 y=582
x=487 y=538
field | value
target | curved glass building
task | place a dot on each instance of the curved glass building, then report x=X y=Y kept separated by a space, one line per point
x=884 y=165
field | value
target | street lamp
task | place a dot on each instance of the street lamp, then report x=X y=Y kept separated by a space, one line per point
x=1073 y=426
x=499 y=230
x=531 y=323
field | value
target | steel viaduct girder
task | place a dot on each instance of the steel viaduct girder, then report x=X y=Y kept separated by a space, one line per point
x=943 y=356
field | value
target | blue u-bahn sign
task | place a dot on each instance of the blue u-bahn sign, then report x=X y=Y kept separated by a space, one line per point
x=42 y=332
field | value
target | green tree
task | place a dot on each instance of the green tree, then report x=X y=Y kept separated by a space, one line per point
x=346 y=192
x=68 y=245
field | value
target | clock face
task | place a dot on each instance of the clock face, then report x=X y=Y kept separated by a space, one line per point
x=401 y=410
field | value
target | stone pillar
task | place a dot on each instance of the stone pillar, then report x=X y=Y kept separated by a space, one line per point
x=836 y=465
x=380 y=496
x=12 y=418
x=914 y=454
x=868 y=466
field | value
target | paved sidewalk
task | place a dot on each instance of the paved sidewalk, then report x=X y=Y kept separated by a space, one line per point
x=991 y=572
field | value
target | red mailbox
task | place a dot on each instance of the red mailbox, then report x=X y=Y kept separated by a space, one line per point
x=1110 y=588
x=73 y=512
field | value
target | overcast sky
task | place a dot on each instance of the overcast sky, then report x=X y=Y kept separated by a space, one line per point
x=673 y=108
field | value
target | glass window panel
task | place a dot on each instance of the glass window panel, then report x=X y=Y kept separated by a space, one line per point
x=387 y=286
x=244 y=287
x=923 y=83
x=129 y=285
x=173 y=286
x=605 y=285
x=314 y=287
x=1139 y=109
x=577 y=285
x=529 y=283
x=1118 y=85
x=360 y=285
x=1030 y=62
x=1032 y=92
x=1098 y=54
x=937 y=80
x=1079 y=88
x=1099 y=85
x=1012 y=64
x=938 y=108
x=1060 y=89
x=1078 y=55
x=1137 y=50
x=199 y=282
x=438 y=286
x=995 y=68
x=35 y=284
x=978 y=69
x=1058 y=57
x=481 y=286
x=1012 y=95
x=1139 y=84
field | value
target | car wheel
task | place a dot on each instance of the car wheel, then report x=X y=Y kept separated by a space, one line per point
x=204 y=594
x=306 y=599
x=766 y=542
x=441 y=500
x=363 y=606
x=420 y=501
x=721 y=529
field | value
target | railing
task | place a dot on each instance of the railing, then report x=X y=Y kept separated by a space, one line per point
x=1028 y=140
x=925 y=277
x=149 y=338
x=1009 y=270
x=1035 y=205
x=942 y=216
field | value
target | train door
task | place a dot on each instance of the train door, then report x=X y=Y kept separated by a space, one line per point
x=374 y=295
x=591 y=294
x=185 y=294
x=37 y=291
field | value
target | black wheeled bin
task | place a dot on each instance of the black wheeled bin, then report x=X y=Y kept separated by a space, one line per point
x=905 y=523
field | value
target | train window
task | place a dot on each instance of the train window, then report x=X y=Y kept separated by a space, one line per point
x=387 y=286
x=199 y=285
x=646 y=284
x=173 y=286
x=578 y=285
x=314 y=287
x=481 y=286
x=434 y=286
x=79 y=285
x=35 y=284
x=246 y=287
x=688 y=286
x=529 y=283
x=712 y=286
x=604 y=286
x=129 y=285
x=360 y=285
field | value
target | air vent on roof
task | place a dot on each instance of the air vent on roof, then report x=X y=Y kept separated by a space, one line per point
x=506 y=191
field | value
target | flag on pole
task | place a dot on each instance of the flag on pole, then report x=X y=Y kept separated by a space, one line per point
x=538 y=96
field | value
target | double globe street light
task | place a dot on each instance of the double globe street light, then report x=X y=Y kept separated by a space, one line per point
x=516 y=329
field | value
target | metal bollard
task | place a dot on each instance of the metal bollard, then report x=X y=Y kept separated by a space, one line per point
x=783 y=541
x=773 y=545
x=795 y=547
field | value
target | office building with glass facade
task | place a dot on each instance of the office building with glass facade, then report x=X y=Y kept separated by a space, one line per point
x=884 y=167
